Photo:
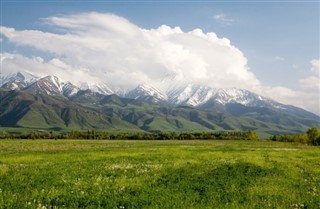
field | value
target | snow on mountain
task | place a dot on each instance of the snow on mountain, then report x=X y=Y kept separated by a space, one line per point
x=172 y=92
x=193 y=95
x=17 y=81
x=52 y=85
x=197 y=95
x=69 y=89
x=240 y=96
x=147 y=93
x=100 y=88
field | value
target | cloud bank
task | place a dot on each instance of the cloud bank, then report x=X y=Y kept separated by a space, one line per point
x=313 y=82
x=105 y=48
x=117 y=52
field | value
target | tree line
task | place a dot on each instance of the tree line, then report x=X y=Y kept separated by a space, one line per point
x=311 y=136
x=103 y=135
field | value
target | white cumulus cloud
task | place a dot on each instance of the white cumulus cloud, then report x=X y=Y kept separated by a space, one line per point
x=315 y=66
x=312 y=82
x=12 y=63
x=312 y=86
x=119 y=53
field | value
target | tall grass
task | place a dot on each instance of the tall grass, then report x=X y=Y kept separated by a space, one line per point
x=158 y=174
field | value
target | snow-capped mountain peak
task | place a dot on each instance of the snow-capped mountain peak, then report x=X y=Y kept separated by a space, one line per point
x=173 y=93
x=17 y=81
x=233 y=95
x=53 y=85
x=69 y=89
x=147 y=93
x=100 y=88
x=53 y=82
x=197 y=95
x=241 y=96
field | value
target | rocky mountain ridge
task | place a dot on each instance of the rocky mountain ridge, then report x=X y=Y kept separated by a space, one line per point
x=190 y=95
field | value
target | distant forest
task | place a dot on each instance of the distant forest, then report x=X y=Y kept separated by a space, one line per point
x=311 y=137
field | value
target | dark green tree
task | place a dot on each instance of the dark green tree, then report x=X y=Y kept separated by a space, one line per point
x=314 y=136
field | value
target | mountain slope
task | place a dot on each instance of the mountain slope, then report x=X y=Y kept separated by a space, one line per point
x=147 y=94
x=52 y=85
x=22 y=109
x=202 y=97
x=17 y=81
x=51 y=102
x=90 y=110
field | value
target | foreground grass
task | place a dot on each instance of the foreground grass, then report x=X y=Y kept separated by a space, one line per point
x=158 y=174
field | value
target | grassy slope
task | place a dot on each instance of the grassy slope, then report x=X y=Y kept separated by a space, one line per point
x=23 y=110
x=158 y=174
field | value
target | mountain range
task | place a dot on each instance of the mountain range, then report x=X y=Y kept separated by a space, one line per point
x=52 y=103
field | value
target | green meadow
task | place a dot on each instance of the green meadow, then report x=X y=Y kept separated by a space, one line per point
x=158 y=174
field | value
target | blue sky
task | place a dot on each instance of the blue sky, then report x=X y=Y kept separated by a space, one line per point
x=278 y=38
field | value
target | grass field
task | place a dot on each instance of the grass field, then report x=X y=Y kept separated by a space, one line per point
x=158 y=174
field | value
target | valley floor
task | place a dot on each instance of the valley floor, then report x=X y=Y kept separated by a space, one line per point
x=158 y=174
